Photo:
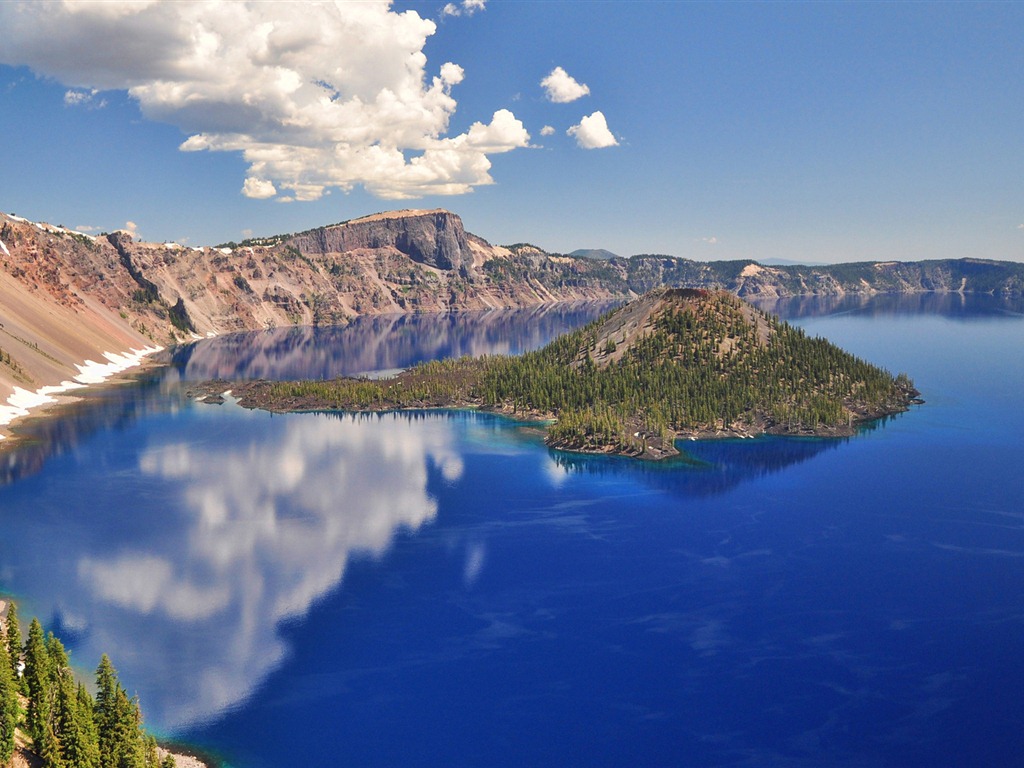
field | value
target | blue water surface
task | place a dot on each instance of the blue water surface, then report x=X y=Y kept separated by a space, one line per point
x=441 y=589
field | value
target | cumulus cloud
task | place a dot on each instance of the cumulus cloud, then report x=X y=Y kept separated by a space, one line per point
x=132 y=229
x=547 y=130
x=592 y=132
x=337 y=96
x=561 y=88
x=710 y=240
x=468 y=7
x=258 y=189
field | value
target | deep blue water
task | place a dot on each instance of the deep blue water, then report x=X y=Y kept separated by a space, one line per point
x=440 y=589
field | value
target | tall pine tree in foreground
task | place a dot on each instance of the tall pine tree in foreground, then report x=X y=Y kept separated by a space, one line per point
x=14 y=647
x=37 y=679
x=8 y=706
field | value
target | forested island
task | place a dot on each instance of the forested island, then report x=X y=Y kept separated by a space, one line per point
x=51 y=720
x=673 y=363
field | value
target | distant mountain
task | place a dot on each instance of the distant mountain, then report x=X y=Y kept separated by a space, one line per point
x=594 y=253
x=789 y=263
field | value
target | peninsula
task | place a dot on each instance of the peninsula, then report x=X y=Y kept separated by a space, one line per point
x=675 y=363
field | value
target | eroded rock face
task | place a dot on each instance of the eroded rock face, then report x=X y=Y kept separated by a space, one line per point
x=434 y=238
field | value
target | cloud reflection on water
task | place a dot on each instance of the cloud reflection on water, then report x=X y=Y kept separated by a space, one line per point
x=265 y=528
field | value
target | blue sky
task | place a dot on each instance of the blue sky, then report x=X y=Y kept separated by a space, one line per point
x=814 y=132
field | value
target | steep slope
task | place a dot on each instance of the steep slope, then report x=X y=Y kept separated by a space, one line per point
x=59 y=323
x=695 y=363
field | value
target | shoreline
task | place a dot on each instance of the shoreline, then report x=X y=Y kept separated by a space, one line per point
x=249 y=395
x=22 y=403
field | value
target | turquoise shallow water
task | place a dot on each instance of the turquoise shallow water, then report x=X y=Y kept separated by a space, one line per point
x=440 y=589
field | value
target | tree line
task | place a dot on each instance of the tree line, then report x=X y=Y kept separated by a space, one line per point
x=65 y=724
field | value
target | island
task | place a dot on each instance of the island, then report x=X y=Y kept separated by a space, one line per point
x=673 y=363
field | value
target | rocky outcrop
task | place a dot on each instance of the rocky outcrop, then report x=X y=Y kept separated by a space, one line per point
x=434 y=238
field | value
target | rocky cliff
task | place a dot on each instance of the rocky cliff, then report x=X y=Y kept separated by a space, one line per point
x=433 y=238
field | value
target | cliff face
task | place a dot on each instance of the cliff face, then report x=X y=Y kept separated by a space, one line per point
x=433 y=238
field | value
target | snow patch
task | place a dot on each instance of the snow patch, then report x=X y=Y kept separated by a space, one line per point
x=4 y=248
x=90 y=372
x=53 y=230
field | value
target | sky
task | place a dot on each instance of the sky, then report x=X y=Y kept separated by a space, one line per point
x=808 y=132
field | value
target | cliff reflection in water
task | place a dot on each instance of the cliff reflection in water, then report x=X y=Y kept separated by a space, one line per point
x=954 y=306
x=367 y=344
x=109 y=408
x=380 y=343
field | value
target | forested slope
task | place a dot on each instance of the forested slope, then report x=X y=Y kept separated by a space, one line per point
x=676 y=362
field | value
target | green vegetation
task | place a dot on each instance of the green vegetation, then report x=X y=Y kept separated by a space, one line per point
x=65 y=726
x=677 y=361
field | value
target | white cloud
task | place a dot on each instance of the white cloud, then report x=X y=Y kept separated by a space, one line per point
x=81 y=98
x=547 y=130
x=592 y=132
x=710 y=240
x=469 y=7
x=132 y=229
x=259 y=189
x=333 y=97
x=561 y=88
x=1020 y=226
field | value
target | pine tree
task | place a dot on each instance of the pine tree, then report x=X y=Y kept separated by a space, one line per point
x=118 y=722
x=103 y=711
x=37 y=676
x=14 y=647
x=86 y=709
x=71 y=722
x=8 y=706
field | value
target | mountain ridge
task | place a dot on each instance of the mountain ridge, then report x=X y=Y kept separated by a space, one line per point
x=67 y=297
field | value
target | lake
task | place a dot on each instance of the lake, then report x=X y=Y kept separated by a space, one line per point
x=428 y=589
